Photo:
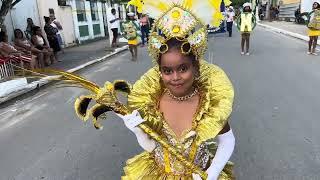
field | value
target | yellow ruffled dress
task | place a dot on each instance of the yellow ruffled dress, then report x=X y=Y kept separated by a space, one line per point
x=314 y=25
x=131 y=31
x=216 y=99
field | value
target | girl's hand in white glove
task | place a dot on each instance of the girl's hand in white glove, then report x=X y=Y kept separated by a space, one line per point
x=196 y=176
x=131 y=121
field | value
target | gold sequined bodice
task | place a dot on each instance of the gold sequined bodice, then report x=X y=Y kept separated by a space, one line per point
x=187 y=146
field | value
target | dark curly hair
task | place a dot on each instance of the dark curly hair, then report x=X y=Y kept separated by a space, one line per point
x=318 y=5
x=174 y=45
x=2 y=36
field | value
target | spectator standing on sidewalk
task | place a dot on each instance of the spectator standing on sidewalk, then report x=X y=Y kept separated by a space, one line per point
x=29 y=29
x=56 y=24
x=52 y=36
x=145 y=25
x=114 y=25
x=314 y=28
x=246 y=23
x=230 y=18
x=130 y=28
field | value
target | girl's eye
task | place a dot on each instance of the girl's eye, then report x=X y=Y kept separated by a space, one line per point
x=183 y=68
x=167 y=71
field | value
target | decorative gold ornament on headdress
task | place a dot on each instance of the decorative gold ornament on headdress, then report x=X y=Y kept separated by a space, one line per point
x=185 y=20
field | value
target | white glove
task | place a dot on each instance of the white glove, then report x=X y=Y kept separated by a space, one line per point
x=131 y=121
x=225 y=148
x=196 y=176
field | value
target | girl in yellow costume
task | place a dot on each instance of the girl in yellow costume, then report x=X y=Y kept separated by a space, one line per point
x=314 y=28
x=184 y=102
x=130 y=28
x=184 y=99
x=246 y=23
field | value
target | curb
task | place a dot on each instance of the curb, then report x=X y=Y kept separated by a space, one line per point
x=287 y=33
x=43 y=81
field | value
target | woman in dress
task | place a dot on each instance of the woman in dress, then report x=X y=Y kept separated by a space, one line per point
x=314 y=28
x=183 y=99
x=52 y=36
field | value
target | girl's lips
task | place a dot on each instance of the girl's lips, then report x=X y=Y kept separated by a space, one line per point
x=177 y=85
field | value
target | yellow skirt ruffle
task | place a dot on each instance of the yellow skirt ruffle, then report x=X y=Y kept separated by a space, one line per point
x=133 y=42
x=313 y=32
x=143 y=167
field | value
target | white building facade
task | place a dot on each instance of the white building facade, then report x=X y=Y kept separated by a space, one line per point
x=81 y=20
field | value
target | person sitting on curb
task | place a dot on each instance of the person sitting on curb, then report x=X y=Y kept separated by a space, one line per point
x=23 y=44
x=39 y=42
x=9 y=51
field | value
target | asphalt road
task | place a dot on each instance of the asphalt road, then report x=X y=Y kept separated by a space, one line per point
x=275 y=118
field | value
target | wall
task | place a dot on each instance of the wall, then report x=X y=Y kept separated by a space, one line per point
x=306 y=6
x=284 y=2
x=9 y=26
x=63 y=15
x=86 y=30
x=23 y=10
x=17 y=17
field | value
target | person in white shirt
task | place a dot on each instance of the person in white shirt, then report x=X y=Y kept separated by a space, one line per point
x=230 y=18
x=114 y=25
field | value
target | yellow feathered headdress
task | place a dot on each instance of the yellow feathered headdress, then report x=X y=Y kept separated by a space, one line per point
x=185 y=20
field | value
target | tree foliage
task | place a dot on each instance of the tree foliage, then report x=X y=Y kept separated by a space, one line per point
x=6 y=5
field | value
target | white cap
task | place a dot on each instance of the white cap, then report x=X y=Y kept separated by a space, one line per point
x=230 y=7
x=317 y=1
x=130 y=14
x=247 y=4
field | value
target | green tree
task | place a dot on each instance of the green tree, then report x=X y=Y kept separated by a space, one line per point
x=238 y=2
x=6 y=5
x=119 y=1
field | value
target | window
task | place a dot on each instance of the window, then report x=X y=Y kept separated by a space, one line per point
x=62 y=2
x=81 y=10
x=94 y=10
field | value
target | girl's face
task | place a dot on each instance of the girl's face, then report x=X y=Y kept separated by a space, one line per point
x=38 y=32
x=247 y=8
x=19 y=34
x=29 y=21
x=315 y=5
x=177 y=73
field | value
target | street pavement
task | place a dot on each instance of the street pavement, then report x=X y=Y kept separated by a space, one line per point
x=275 y=117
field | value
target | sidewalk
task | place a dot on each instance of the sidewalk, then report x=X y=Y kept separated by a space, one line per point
x=288 y=28
x=73 y=59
